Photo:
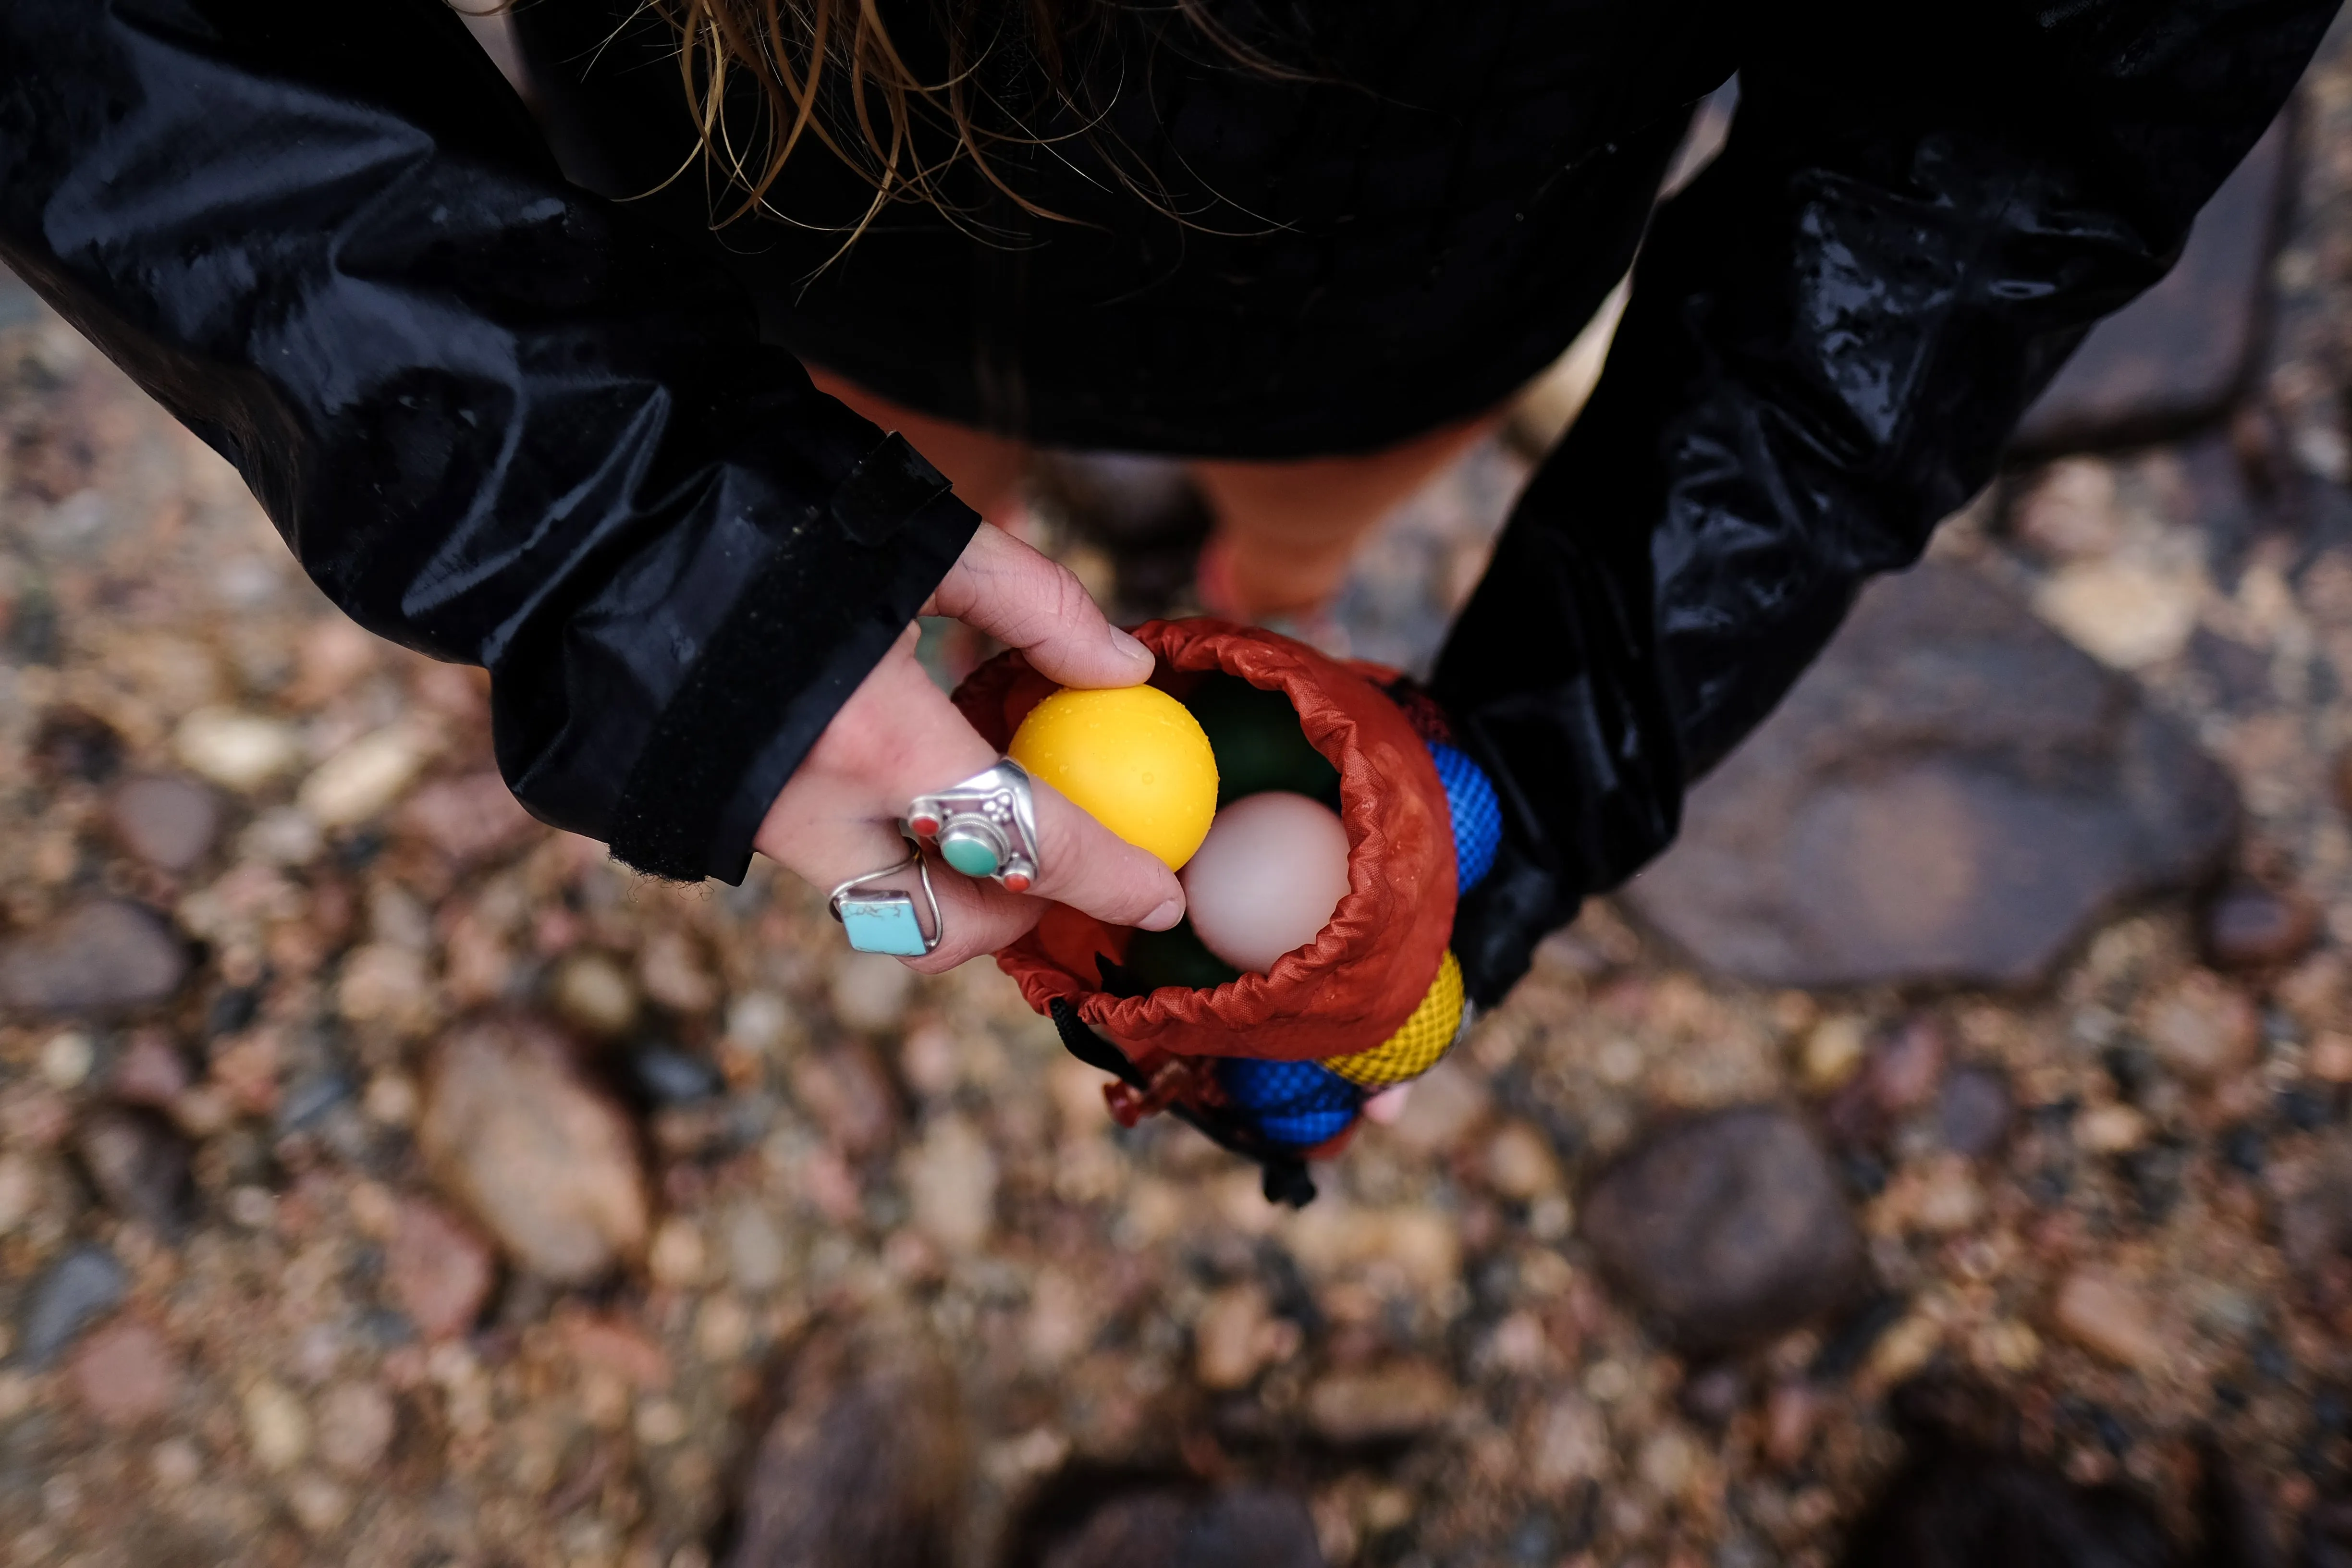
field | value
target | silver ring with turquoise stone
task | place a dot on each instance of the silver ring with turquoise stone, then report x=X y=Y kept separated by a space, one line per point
x=984 y=826
x=883 y=919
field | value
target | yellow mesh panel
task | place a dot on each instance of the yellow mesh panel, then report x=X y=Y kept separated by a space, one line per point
x=1414 y=1048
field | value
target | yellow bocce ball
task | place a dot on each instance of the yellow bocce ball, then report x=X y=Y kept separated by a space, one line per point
x=1132 y=757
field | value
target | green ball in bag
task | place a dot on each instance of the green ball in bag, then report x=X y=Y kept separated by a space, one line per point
x=1259 y=745
x=1176 y=957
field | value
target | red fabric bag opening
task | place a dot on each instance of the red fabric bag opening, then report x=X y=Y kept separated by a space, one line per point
x=1367 y=970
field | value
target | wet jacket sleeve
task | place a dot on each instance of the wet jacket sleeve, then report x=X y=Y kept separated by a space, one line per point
x=1920 y=213
x=499 y=419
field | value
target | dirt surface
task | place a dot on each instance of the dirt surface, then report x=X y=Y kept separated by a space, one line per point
x=387 y=1179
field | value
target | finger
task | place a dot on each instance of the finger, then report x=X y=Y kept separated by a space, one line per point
x=976 y=919
x=1001 y=586
x=1085 y=865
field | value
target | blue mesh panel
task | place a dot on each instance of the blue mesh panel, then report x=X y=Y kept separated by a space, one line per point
x=1478 y=813
x=1307 y=1128
x=1285 y=1087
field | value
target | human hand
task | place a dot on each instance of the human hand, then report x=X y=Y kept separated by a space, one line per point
x=899 y=736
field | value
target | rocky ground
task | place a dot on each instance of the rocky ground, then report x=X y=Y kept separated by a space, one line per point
x=386 y=1179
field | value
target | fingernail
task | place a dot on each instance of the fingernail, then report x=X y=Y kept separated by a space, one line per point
x=1127 y=644
x=1166 y=915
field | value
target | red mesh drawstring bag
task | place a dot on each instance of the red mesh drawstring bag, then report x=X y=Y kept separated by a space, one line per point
x=1364 y=978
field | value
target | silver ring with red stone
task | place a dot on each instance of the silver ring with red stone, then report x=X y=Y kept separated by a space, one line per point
x=984 y=826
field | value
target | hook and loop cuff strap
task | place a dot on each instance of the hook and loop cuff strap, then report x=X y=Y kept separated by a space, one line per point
x=811 y=624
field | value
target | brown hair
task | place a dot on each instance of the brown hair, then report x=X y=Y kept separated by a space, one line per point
x=830 y=69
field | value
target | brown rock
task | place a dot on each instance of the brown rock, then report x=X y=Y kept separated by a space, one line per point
x=950 y=1183
x=2069 y=513
x=2251 y=927
x=1953 y=791
x=849 y=1095
x=618 y=1346
x=866 y=1463
x=2314 y=1221
x=870 y=992
x=1378 y=1404
x=1236 y=1336
x=2204 y=1028
x=139 y=1165
x=167 y=822
x=1791 y=1412
x=104 y=956
x=594 y=993
x=439 y=1272
x=1973 y=1112
x=469 y=819
x=124 y=1372
x=2177 y=354
x=1729 y=1226
x=548 y=1164
x=150 y=1071
x=1519 y=1162
x=2108 y=1317
x=356 y=1422
x=1901 y=1068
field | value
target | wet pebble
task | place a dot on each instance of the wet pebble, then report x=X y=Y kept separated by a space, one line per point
x=870 y=992
x=1728 y=1226
x=356 y=1422
x=666 y=1075
x=951 y=1179
x=468 y=819
x=756 y=1258
x=2204 y=1028
x=1519 y=1162
x=512 y=1131
x=847 y=1092
x=2109 y=1316
x=72 y=744
x=277 y=1427
x=365 y=779
x=1398 y=1400
x=1712 y=1395
x=83 y=1285
x=103 y=956
x=2249 y=926
x=171 y=823
x=1235 y=1338
x=139 y=1165
x=594 y=993
x=1973 y=1111
x=125 y=1372
x=151 y=1071
x=2241 y=1149
x=437 y=1270
x=241 y=753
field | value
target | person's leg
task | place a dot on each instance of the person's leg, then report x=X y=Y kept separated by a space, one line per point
x=985 y=469
x=1286 y=531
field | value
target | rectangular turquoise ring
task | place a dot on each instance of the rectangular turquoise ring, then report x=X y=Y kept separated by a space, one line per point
x=882 y=923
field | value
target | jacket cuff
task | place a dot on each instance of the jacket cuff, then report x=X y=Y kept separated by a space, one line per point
x=779 y=667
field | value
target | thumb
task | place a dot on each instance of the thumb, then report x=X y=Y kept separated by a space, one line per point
x=1001 y=586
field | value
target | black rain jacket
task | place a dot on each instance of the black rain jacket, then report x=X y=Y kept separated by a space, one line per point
x=513 y=400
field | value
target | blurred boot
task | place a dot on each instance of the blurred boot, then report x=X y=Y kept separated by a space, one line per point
x=865 y=1466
